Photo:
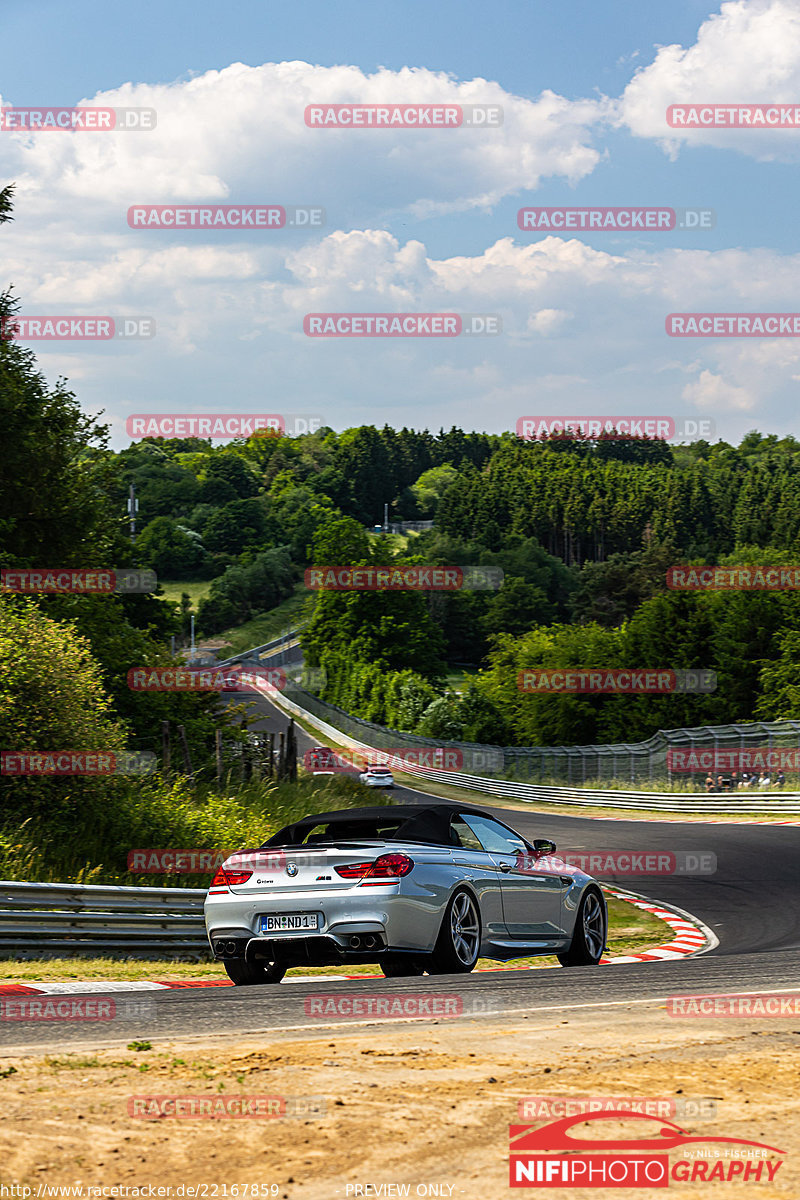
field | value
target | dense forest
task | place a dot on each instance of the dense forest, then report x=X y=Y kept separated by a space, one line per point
x=583 y=532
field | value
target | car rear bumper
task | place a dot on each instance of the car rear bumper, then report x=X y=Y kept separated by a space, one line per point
x=320 y=950
x=397 y=921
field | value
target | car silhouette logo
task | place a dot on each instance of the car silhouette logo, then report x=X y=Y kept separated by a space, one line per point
x=555 y=1135
x=291 y=869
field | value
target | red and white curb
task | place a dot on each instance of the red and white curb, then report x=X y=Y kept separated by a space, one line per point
x=691 y=937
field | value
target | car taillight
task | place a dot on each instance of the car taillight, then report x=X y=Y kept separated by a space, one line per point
x=389 y=868
x=225 y=879
x=353 y=870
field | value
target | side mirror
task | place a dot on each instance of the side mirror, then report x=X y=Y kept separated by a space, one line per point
x=543 y=846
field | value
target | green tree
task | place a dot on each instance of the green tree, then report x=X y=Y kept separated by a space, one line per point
x=407 y=697
x=232 y=468
x=442 y=719
x=482 y=720
x=779 y=682
x=238 y=526
x=52 y=697
x=422 y=499
x=516 y=607
x=170 y=550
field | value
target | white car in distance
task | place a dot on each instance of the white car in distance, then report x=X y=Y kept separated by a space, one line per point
x=376 y=776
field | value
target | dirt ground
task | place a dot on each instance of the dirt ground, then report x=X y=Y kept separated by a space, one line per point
x=425 y=1105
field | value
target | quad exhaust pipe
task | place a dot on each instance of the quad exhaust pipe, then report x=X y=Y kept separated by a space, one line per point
x=225 y=948
x=368 y=941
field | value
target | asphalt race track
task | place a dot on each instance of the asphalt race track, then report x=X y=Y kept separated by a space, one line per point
x=751 y=903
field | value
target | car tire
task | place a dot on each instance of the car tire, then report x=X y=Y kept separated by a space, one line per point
x=591 y=931
x=459 y=942
x=402 y=966
x=243 y=974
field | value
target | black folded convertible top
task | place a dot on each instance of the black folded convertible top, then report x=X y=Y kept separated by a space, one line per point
x=391 y=822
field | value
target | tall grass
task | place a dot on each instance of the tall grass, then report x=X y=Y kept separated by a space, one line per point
x=93 y=846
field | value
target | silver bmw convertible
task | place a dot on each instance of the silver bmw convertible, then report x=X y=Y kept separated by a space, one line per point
x=413 y=888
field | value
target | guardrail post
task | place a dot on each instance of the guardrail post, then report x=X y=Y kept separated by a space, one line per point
x=291 y=752
x=165 y=748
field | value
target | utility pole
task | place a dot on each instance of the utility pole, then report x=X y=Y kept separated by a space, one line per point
x=133 y=508
x=386 y=518
x=191 y=653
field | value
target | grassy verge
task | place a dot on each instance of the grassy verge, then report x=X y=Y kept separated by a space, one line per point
x=198 y=589
x=153 y=814
x=631 y=930
x=269 y=625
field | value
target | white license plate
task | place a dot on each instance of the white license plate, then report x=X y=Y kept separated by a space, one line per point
x=289 y=922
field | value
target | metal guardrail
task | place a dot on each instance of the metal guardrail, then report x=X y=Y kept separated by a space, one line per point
x=783 y=803
x=787 y=803
x=63 y=920
x=289 y=636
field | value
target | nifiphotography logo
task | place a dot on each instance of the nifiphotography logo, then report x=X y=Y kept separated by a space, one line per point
x=552 y=1156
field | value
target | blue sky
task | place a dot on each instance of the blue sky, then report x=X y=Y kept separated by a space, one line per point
x=413 y=224
x=83 y=47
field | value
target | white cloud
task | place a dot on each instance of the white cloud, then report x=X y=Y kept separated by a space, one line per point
x=748 y=52
x=548 y=321
x=583 y=330
x=239 y=135
x=711 y=394
x=583 y=327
